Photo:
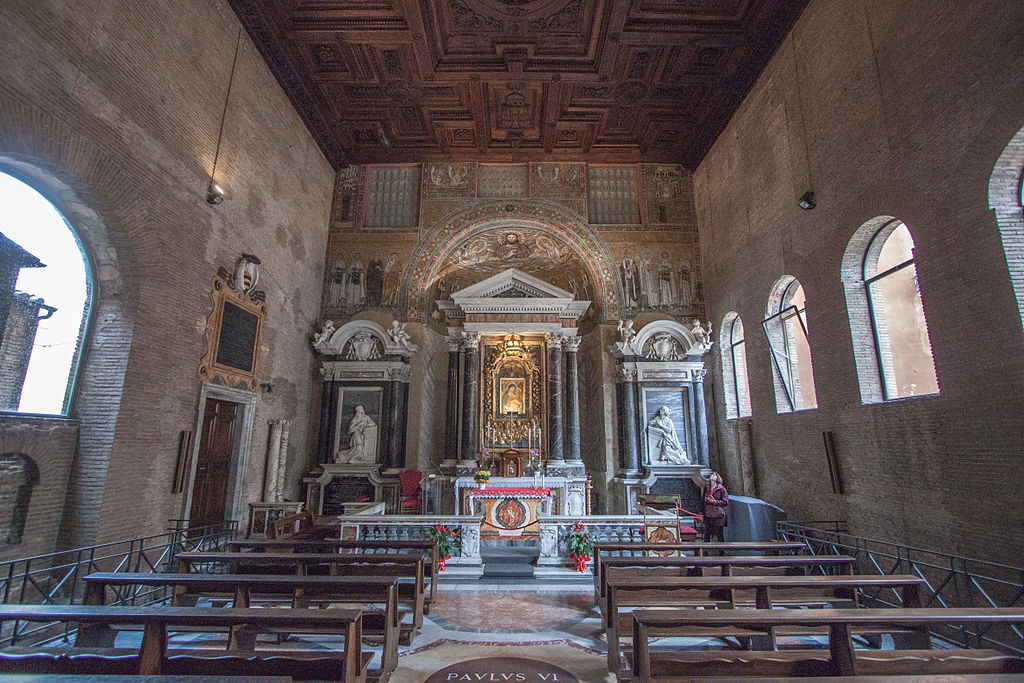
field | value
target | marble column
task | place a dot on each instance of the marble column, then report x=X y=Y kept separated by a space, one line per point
x=393 y=455
x=325 y=442
x=468 y=455
x=451 y=429
x=572 y=400
x=628 y=437
x=273 y=455
x=556 y=408
x=700 y=424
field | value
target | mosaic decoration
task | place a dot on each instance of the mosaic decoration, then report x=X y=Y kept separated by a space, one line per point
x=668 y=193
x=557 y=180
x=447 y=179
x=658 y=273
x=551 y=243
x=364 y=271
x=503 y=181
x=393 y=197
x=611 y=195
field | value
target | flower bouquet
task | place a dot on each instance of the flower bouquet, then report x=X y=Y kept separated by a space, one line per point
x=580 y=546
x=446 y=544
x=482 y=476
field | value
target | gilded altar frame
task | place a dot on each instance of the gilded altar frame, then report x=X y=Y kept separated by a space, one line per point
x=513 y=360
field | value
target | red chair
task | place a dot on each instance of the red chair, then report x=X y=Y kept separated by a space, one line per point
x=411 y=493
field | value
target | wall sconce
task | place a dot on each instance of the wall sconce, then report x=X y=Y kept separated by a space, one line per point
x=214 y=193
x=806 y=201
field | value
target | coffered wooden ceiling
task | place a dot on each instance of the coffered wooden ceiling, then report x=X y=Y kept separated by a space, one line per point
x=382 y=81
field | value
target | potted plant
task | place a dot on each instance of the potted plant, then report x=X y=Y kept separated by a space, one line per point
x=482 y=476
x=580 y=546
x=446 y=543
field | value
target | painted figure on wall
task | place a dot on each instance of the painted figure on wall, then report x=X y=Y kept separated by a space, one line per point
x=374 y=282
x=664 y=442
x=512 y=396
x=630 y=280
x=356 y=282
x=392 y=274
x=338 y=290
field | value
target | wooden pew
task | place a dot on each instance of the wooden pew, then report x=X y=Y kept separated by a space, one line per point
x=402 y=565
x=728 y=563
x=301 y=590
x=697 y=548
x=299 y=525
x=839 y=660
x=153 y=656
x=332 y=544
x=631 y=591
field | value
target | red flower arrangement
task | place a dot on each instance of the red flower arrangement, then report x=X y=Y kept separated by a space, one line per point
x=580 y=546
x=446 y=544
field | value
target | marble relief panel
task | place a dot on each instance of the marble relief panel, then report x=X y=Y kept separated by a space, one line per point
x=658 y=272
x=364 y=271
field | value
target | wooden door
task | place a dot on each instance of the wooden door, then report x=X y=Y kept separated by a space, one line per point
x=213 y=469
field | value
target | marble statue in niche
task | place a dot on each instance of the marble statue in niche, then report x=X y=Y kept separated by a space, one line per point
x=663 y=441
x=362 y=432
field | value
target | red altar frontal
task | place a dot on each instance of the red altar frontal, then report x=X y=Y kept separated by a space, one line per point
x=510 y=513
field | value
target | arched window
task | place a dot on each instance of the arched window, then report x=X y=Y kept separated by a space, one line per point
x=44 y=301
x=734 y=367
x=887 y=321
x=786 y=329
x=1006 y=199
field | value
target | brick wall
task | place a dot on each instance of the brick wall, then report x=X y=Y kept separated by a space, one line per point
x=112 y=111
x=898 y=109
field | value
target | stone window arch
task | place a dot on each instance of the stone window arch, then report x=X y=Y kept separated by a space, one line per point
x=1006 y=199
x=785 y=326
x=19 y=474
x=45 y=299
x=734 y=367
x=888 y=327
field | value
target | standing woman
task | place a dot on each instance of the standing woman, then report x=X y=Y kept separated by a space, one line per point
x=716 y=509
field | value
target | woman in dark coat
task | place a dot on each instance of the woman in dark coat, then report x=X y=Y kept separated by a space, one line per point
x=716 y=509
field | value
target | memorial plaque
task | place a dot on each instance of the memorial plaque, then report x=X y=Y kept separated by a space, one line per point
x=236 y=344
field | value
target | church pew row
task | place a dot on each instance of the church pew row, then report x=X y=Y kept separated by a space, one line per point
x=409 y=568
x=604 y=549
x=432 y=573
x=728 y=564
x=840 y=659
x=626 y=591
x=91 y=656
x=299 y=591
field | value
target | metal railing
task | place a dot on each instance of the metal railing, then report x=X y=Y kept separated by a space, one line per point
x=950 y=580
x=57 y=578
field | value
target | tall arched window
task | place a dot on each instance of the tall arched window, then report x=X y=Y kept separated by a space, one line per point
x=786 y=328
x=887 y=321
x=734 y=367
x=44 y=301
x=1006 y=199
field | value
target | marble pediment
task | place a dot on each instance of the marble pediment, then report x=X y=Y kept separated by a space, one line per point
x=514 y=292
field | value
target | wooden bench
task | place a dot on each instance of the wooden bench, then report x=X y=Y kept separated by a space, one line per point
x=333 y=544
x=839 y=660
x=697 y=548
x=299 y=525
x=407 y=566
x=300 y=590
x=729 y=564
x=626 y=590
x=153 y=656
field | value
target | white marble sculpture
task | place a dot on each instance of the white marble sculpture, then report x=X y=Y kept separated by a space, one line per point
x=362 y=431
x=324 y=334
x=398 y=334
x=664 y=347
x=664 y=446
x=701 y=339
x=363 y=346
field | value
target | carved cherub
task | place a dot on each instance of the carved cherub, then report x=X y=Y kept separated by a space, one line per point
x=324 y=334
x=701 y=336
x=626 y=331
x=398 y=334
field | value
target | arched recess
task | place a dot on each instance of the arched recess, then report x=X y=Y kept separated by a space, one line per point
x=96 y=396
x=441 y=240
x=1006 y=199
x=19 y=474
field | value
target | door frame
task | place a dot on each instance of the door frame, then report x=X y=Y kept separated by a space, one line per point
x=246 y=400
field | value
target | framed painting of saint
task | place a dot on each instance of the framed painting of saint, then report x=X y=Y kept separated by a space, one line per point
x=512 y=395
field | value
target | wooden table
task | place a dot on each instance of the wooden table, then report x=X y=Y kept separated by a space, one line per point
x=841 y=659
x=661 y=591
x=153 y=657
x=300 y=589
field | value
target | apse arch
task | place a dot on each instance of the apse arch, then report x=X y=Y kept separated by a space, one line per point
x=440 y=242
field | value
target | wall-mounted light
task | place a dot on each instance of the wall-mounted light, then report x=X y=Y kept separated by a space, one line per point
x=806 y=201
x=214 y=192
